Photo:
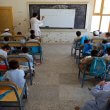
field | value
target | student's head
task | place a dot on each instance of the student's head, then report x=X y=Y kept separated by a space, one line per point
x=107 y=34
x=86 y=41
x=94 y=53
x=25 y=50
x=6 y=38
x=104 y=41
x=108 y=51
x=78 y=33
x=96 y=33
x=6 y=48
x=35 y=15
x=32 y=32
x=19 y=33
x=13 y=64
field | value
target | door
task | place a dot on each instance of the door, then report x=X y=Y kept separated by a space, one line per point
x=6 y=19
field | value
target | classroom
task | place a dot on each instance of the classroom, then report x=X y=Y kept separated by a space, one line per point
x=54 y=55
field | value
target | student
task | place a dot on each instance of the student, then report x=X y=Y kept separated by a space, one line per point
x=4 y=50
x=87 y=60
x=105 y=35
x=87 y=48
x=33 y=37
x=6 y=38
x=6 y=32
x=78 y=34
x=14 y=74
x=101 y=93
x=96 y=33
x=25 y=52
x=35 y=24
x=103 y=50
x=83 y=38
x=19 y=33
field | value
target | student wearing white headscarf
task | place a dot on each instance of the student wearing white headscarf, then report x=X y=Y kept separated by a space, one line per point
x=6 y=32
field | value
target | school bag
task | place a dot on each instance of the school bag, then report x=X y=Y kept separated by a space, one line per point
x=35 y=50
x=98 y=67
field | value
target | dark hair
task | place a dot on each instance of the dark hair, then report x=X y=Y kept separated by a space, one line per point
x=6 y=38
x=94 y=53
x=107 y=34
x=104 y=41
x=108 y=51
x=25 y=50
x=32 y=32
x=86 y=41
x=34 y=14
x=7 y=47
x=13 y=64
x=78 y=33
x=19 y=33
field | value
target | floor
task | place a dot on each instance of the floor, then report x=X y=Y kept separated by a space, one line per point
x=56 y=86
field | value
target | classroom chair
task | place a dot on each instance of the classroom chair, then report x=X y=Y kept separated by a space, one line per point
x=98 y=69
x=11 y=95
x=18 y=38
x=35 y=49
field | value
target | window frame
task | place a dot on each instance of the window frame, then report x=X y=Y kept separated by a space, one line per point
x=100 y=14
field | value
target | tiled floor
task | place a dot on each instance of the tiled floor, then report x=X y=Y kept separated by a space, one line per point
x=56 y=86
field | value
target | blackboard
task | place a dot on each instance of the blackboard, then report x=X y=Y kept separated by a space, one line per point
x=80 y=15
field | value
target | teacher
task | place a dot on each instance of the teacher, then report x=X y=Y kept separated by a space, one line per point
x=35 y=24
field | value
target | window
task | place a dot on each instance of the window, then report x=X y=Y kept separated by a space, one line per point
x=101 y=16
x=95 y=23
x=97 y=6
x=106 y=8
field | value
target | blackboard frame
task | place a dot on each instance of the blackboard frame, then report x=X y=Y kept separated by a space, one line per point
x=80 y=15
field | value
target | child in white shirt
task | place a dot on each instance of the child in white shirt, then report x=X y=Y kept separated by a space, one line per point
x=4 y=50
x=15 y=74
x=25 y=52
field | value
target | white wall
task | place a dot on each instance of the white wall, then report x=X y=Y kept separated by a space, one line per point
x=21 y=18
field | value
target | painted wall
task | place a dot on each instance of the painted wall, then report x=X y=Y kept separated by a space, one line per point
x=21 y=18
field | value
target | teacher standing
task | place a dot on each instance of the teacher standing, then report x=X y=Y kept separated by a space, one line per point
x=35 y=24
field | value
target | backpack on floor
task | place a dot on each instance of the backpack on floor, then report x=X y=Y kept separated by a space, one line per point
x=98 y=67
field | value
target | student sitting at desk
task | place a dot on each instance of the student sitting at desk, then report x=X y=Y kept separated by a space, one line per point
x=87 y=60
x=25 y=52
x=6 y=32
x=33 y=37
x=83 y=38
x=77 y=39
x=3 y=52
x=87 y=48
x=78 y=34
x=14 y=74
x=101 y=93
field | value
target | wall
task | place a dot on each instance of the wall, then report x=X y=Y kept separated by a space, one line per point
x=21 y=18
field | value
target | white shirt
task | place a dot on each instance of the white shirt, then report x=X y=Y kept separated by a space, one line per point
x=16 y=76
x=35 y=25
x=3 y=53
x=6 y=34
